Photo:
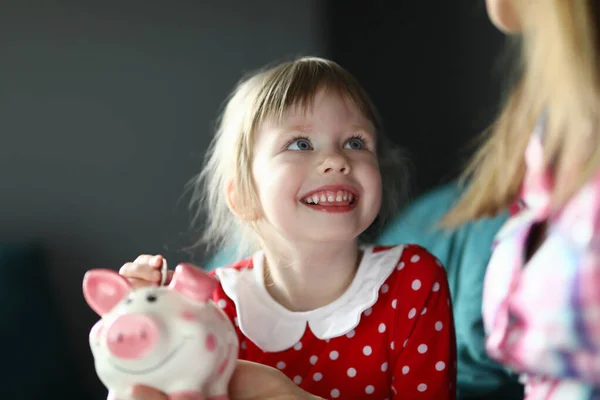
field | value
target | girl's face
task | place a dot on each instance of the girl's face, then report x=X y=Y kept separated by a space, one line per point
x=316 y=172
x=504 y=15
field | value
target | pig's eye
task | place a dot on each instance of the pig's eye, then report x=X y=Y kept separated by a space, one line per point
x=151 y=298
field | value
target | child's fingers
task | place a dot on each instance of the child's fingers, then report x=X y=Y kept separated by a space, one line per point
x=140 y=271
x=146 y=393
x=187 y=397
x=149 y=259
x=140 y=283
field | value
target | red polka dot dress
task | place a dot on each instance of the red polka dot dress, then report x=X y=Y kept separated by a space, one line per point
x=389 y=336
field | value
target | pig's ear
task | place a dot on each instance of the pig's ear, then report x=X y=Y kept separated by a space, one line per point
x=193 y=282
x=103 y=289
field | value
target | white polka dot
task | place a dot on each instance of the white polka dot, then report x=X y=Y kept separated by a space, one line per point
x=415 y=258
x=412 y=313
x=385 y=288
x=438 y=262
x=370 y=389
x=222 y=303
x=440 y=366
x=350 y=334
x=334 y=355
x=394 y=303
x=313 y=359
x=424 y=311
x=317 y=376
x=243 y=345
x=439 y=326
x=392 y=345
x=335 y=393
x=384 y=367
x=416 y=285
x=351 y=372
x=400 y=266
x=404 y=344
x=422 y=387
x=367 y=350
x=422 y=348
x=297 y=379
x=405 y=370
x=236 y=321
x=368 y=311
x=298 y=346
x=280 y=365
x=436 y=287
x=381 y=328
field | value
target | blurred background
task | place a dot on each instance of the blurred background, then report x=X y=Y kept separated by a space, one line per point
x=106 y=108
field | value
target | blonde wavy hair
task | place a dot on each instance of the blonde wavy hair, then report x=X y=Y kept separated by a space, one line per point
x=559 y=73
x=269 y=93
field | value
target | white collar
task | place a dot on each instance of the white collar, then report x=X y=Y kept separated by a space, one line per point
x=274 y=328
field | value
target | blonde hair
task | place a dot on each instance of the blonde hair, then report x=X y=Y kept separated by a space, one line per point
x=269 y=93
x=559 y=77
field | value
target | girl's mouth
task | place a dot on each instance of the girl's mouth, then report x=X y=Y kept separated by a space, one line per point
x=330 y=197
x=334 y=201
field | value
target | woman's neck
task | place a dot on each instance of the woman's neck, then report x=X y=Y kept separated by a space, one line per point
x=308 y=276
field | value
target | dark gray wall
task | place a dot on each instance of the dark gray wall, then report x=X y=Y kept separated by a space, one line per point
x=106 y=108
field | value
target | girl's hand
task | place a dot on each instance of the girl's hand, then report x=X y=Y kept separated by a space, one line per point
x=145 y=271
x=146 y=393
x=250 y=381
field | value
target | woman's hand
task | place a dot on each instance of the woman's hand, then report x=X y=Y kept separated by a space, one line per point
x=250 y=381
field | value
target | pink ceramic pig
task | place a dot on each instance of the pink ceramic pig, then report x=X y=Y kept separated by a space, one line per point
x=172 y=338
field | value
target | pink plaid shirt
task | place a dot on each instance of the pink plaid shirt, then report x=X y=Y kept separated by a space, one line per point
x=542 y=316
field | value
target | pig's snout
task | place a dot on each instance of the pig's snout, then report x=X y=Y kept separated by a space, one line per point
x=132 y=336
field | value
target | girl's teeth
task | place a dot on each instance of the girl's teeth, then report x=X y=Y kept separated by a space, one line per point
x=329 y=197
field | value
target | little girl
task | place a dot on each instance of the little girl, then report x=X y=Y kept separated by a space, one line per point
x=541 y=303
x=301 y=170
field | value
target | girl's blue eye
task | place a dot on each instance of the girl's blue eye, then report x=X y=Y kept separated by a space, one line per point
x=355 y=144
x=300 y=144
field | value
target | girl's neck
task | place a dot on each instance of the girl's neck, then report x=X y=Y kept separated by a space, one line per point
x=308 y=276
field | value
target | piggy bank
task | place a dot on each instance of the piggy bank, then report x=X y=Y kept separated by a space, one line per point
x=172 y=338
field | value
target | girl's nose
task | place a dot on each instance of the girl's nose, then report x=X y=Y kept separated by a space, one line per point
x=335 y=163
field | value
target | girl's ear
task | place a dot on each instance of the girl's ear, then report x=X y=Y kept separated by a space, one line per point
x=232 y=198
x=504 y=15
x=235 y=206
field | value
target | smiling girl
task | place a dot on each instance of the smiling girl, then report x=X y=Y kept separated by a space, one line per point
x=300 y=169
